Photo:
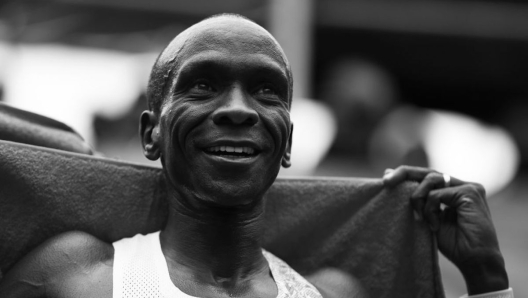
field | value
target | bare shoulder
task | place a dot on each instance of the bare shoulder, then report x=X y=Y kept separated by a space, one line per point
x=335 y=283
x=67 y=262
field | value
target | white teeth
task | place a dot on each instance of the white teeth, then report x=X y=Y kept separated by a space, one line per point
x=246 y=150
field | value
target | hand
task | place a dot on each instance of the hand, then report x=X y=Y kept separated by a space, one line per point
x=458 y=214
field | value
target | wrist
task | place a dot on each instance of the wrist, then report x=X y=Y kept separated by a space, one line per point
x=508 y=293
x=487 y=276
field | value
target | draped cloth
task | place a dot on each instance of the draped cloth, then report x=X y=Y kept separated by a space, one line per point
x=353 y=224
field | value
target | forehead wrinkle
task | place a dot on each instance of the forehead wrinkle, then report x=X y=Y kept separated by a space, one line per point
x=225 y=59
x=236 y=37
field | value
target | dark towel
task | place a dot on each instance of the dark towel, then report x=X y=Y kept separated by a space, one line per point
x=29 y=128
x=354 y=224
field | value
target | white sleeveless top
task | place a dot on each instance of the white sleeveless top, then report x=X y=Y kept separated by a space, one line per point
x=140 y=271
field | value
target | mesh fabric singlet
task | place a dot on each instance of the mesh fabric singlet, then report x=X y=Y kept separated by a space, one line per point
x=140 y=271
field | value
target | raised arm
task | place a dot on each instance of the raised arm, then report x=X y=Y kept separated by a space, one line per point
x=464 y=229
x=25 y=127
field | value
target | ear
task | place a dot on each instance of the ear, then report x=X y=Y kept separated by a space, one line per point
x=286 y=158
x=149 y=134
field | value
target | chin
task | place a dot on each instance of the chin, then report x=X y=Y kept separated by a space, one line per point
x=224 y=186
x=234 y=192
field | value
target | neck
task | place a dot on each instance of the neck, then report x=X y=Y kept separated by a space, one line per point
x=214 y=244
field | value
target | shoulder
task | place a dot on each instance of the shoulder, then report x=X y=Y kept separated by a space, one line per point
x=69 y=250
x=71 y=256
x=335 y=283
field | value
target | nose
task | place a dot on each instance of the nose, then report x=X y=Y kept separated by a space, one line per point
x=236 y=110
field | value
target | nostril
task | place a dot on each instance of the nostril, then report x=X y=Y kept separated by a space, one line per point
x=236 y=108
x=235 y=116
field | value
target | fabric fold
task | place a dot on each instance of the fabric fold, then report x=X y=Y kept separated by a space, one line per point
x=354 y=224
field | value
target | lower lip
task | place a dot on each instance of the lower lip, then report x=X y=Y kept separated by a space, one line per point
x=232 y=159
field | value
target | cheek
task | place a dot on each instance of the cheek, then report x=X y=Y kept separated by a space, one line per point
x=278 y=124
x=182 y=119
x=178 y=124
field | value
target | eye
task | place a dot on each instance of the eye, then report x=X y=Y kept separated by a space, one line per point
x=266 y=90
x=204 y=86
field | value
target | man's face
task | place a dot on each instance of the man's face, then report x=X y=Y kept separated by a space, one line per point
x=225 y=125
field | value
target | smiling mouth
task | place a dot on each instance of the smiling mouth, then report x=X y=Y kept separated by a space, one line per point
x=232 y=152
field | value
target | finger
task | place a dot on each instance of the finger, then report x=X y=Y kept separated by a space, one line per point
x=433 y=180
x=388 y=171
x=418 y=205
x=403 y=173
x=481 y=191
x=431 y=211
x=469 y=194
x=453 y=181
x=454 y=197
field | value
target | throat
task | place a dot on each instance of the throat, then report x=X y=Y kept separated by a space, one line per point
x=222 y=246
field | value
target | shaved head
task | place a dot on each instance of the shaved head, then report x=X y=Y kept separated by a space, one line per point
x=242 y=32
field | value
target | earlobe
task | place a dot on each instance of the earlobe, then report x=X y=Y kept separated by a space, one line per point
x=286 y=158
x=286 y=162
x=149 y=134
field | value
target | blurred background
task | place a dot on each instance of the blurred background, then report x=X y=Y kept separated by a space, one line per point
x=378 y=83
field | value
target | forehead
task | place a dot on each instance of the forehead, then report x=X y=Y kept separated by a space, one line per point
x=230 y=39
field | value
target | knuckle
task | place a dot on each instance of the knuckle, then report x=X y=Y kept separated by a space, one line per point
x=475 y=189
x=478 y=188
x=429 y=176
x=398 y=171
x=481 y=190
x=434 y=178
x=403 y=168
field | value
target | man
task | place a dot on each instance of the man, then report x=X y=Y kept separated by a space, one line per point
x=219 y=99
